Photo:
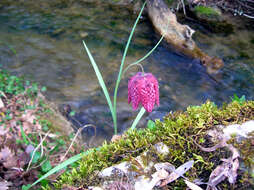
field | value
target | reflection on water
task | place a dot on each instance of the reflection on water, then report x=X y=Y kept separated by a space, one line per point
x=43 y=42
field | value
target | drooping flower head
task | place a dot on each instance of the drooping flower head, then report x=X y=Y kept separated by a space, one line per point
x=143 y=88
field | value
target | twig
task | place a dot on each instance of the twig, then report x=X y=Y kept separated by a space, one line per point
x=248 y=16
x=30 y=162
x=184 y=11
x=79 y=130
x=41 y=145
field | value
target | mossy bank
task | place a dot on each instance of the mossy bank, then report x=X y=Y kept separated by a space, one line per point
x=180 y=131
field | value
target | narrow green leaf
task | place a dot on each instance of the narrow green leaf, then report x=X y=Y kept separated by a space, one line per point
x=23 y=135
x=139 y=116
x=59 y=167
x=149 y=53
x=101 y=81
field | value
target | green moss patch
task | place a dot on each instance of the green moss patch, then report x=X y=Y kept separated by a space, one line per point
x=179 y=131
x=207 y=11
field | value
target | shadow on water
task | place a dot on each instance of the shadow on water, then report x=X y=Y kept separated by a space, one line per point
x=47 y=39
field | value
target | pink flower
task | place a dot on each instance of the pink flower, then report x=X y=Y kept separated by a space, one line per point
x=143 y=88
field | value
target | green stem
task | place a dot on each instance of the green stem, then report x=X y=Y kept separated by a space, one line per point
x=138 y=64
x=121 y=67
x=149 y=53
x=139 y=116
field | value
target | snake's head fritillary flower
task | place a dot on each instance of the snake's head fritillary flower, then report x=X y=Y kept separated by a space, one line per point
x=143 y=88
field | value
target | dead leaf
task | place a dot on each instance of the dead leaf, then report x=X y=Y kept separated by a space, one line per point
x=218 y=175
x=221 y=144
x=177 y=173
x=4 y=185
x=228 y=169
x=5 y=154
x=192 y=186
x=8 y=158
x=11 y=162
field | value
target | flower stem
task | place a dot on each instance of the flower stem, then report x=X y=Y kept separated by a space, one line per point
x=133 y=65
x=151 y=51
x=121 y=67
x=139 y=116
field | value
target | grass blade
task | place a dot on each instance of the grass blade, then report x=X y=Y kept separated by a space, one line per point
x=59 y=167
x=101 y=81
x=139 y=116
x=123 y=59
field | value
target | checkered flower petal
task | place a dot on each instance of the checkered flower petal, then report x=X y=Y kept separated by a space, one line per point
x=144 y=89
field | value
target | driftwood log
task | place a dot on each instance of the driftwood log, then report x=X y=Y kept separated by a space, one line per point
x=179 y=36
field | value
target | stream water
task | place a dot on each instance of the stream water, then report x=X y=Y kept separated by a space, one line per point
x=43 y=42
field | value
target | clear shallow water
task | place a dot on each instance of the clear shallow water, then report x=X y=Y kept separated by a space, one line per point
x=47 y=40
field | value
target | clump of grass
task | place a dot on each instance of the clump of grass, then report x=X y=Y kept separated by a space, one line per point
x=178 y=131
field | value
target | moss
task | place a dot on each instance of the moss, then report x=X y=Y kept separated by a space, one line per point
x=213 y=20
x=179 y=131
x=207 y=11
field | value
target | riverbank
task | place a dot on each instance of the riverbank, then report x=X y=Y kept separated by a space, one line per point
x=31 y=144
x=34 y=137
x=180 y=132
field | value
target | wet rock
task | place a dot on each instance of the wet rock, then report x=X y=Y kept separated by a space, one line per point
x=119 y=170
x=145 y=183
x=179 y=36
x=238 y=131
x=213 y=19
x=137 y=169
x=212 y=64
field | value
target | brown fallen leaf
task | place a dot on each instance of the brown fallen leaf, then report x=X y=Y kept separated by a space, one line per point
x=11 y=162
x=8 y=158
x=228 y=169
